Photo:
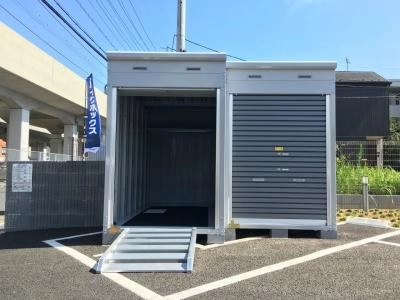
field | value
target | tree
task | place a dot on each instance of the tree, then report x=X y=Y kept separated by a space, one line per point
x=394 y=130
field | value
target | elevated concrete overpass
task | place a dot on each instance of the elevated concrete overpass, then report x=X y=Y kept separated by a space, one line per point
x=38 y=91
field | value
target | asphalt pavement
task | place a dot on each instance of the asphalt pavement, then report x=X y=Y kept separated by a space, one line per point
x=31 y=269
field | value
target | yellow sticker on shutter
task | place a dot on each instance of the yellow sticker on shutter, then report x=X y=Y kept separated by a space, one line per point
x=279 y=148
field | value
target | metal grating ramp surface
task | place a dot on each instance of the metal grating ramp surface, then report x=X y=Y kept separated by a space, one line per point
x=150 y=250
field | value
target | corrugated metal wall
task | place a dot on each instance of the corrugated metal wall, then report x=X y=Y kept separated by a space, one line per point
x=64 y=194
x=279 y=157
x=130 y=159
x=181 y=168
x=358 y=117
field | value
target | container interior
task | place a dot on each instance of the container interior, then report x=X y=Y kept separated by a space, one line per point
x=165 y=159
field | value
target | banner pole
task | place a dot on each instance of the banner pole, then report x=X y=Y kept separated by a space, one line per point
x=84 y=122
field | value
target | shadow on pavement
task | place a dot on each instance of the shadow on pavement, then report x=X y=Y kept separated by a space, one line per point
x=33 y=239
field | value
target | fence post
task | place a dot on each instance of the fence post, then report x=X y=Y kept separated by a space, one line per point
x=379 y=152
x=365 y=193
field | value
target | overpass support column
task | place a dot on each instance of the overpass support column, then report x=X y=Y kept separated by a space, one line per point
x=71 y=141
x=56 y=145
x=18 y=135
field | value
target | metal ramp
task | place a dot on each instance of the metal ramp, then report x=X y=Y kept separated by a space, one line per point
x=150 y=250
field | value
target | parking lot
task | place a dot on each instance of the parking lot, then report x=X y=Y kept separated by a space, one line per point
x=363 y=262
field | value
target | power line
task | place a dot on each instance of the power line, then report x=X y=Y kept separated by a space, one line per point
x=95 y=24
x=339 y=84
x=133 y=24
x=141 y=24
x=368 y=97
x=124 y=29
x=77 y=24
x=71 y=34
x=73 y=29
x=208 y=48
x=170 y=48
x=44 y=41
x=40 y=22
x=124 y=26
x=110 y=19
x=117 y=35
x=380 y=67
x=173 y=41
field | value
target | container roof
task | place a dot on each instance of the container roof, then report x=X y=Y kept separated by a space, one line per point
x=172 y=56
x=279 y=65
x=357 y=76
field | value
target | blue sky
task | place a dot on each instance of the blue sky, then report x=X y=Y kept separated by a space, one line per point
x=365 y=31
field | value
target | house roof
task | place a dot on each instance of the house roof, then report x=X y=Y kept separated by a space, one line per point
x=368 y=76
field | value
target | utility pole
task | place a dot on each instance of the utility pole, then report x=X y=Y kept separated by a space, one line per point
x=181 y=27
x=347 y=63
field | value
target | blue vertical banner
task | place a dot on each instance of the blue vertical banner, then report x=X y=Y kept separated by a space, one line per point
x=92 y=124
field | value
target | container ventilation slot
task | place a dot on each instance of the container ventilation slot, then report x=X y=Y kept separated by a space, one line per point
x=252 y=76
x=193 y=69
x=304 y=76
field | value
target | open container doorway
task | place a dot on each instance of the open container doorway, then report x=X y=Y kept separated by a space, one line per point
x=166 y=158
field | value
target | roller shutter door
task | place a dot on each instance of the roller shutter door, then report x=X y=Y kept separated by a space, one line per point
x=279 y=157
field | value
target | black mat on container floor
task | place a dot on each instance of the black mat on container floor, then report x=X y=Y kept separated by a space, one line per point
x=191 y=216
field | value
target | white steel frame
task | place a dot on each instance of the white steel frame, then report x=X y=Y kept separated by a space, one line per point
x=108 y=215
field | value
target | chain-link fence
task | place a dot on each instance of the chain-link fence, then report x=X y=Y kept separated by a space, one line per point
x=370 y=153
x=378 y=160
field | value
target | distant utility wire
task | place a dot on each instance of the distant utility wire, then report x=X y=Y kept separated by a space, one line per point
x=117 y=35
x=52 y=32
x=102 y=55
x=208 y=48
x=361 y=85
x=124 y=10
x=79 y=41
x=141 y=24
x=117 y=30
x=368 y=97
x=43 y=40
x=124 y=26
x=77 y=24
x=95 y=24
x=380 y=67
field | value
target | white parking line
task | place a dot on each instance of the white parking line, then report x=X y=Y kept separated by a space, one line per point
x=388 y=243
x=275 y=267
x=212 y=246
x=121 y=280
x=77 y=236
x=146 y=293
